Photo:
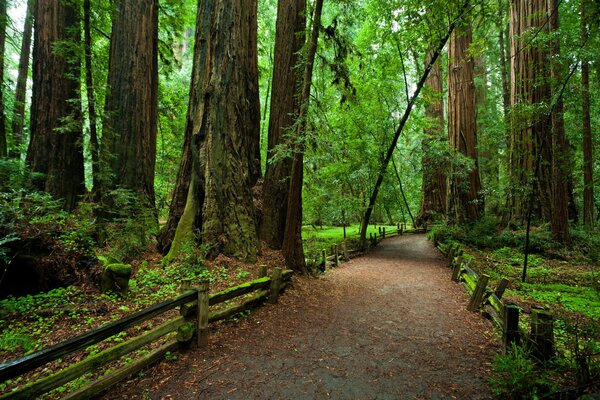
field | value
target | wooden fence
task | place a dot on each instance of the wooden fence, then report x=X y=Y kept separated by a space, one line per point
x=505 y=317
x=195 y=315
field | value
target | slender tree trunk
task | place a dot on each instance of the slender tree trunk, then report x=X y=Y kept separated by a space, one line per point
x=292 y=239
x=89 y=85
x=465 y=202
x=588 y=146
x=285 y=104
x=409 y=107
x=503 y=65
x=561 y=157
x=55 y=148
x=434 y=187
x=3 y=23
x=224 y=117
x=129 y=132
x=530 y=125
x=21 y=89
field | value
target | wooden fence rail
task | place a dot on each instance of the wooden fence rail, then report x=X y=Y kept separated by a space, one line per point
x=504 y=316
x=193 y=320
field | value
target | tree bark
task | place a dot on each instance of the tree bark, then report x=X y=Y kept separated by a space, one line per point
x=434 y=187
x=3 y=23
x=561 y=151
x=292 y=238
x=224 y=116
x=55 y=148
x=285 y=104
x=129 y=132
x=503 y=66
x=409 y=107
x=530 y=125
x=588 y=145
x=465 y=202
x=21 y=89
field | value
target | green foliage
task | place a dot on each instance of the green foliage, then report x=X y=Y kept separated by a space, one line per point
x=517 y=376
x=581 y=300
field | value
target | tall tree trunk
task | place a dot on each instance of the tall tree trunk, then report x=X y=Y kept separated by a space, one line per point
x=3 y=23
x=55 y=148
x=588 y=146
x=561 y=151
x=292 y=238
x=129 y=132
x=285 y=104
x=530 y=125
x=390 y=152
x=224 y=117
x=503 y=66
x=434 y=187
x=465 y=202
x=21 y=89
x=89 y=85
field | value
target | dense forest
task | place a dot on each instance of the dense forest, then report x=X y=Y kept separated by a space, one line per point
x=169 y=134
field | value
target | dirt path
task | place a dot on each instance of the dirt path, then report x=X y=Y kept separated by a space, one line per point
x=390 y=325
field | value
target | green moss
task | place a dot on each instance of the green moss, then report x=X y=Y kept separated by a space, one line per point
x=120 y=269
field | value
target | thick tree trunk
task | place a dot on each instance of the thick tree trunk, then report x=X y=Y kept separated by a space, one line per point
x=434 y=187
x=292 y=238
x=55 y=148
x=465 y=202
x=530 y=125
x=21 y=89
x=561 y=151
x=129 y=132
x=224 y=117
x=588 y=146
x=3 y=23
x=285 y=104
x=89 y=85
x=409 y=107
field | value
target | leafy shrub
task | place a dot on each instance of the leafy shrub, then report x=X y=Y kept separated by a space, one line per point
x=516 y=376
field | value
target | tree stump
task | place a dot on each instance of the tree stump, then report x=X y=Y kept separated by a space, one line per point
x=116 y=278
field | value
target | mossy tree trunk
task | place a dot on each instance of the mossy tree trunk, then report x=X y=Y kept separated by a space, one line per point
x=21 y=89
x=129 y=131
x=3 y=21
x=588 y=146
x=465 y=200
x=224 y=118
x=434 y=187
x=285 y=103
x=55 y=147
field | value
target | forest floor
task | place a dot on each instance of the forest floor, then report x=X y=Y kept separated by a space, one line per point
x=389 y=325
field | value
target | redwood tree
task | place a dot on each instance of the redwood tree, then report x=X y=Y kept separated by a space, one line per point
x=465 y=202
x=434 y=185
x=588 y=159
x=225 y=131
x=285 y=103
x=530 y=142
x=55 y=147
x=3 y=20
x=21 y=89
x=129 y=132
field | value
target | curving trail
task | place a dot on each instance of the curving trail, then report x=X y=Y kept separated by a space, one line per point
x=389 y=325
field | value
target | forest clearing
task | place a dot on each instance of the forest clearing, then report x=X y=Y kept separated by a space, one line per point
x=360 y=193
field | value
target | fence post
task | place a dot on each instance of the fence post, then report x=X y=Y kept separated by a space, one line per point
x=262 y=271
x=345 y=251
x=344 y=230
x=336 y=255
x=383 y=233
x=324 y=256
x=401 y=229
x=478 y=293
x=499 y=292
x=275 y=285
x=379 y=231
x=456 y=269
x=510 y=324
x=203 y=313
x=425 y=227
x=542 y=334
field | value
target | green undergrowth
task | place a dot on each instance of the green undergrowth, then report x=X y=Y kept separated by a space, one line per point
x=564 y=280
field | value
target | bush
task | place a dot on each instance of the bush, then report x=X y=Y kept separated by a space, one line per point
x=516 y=376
